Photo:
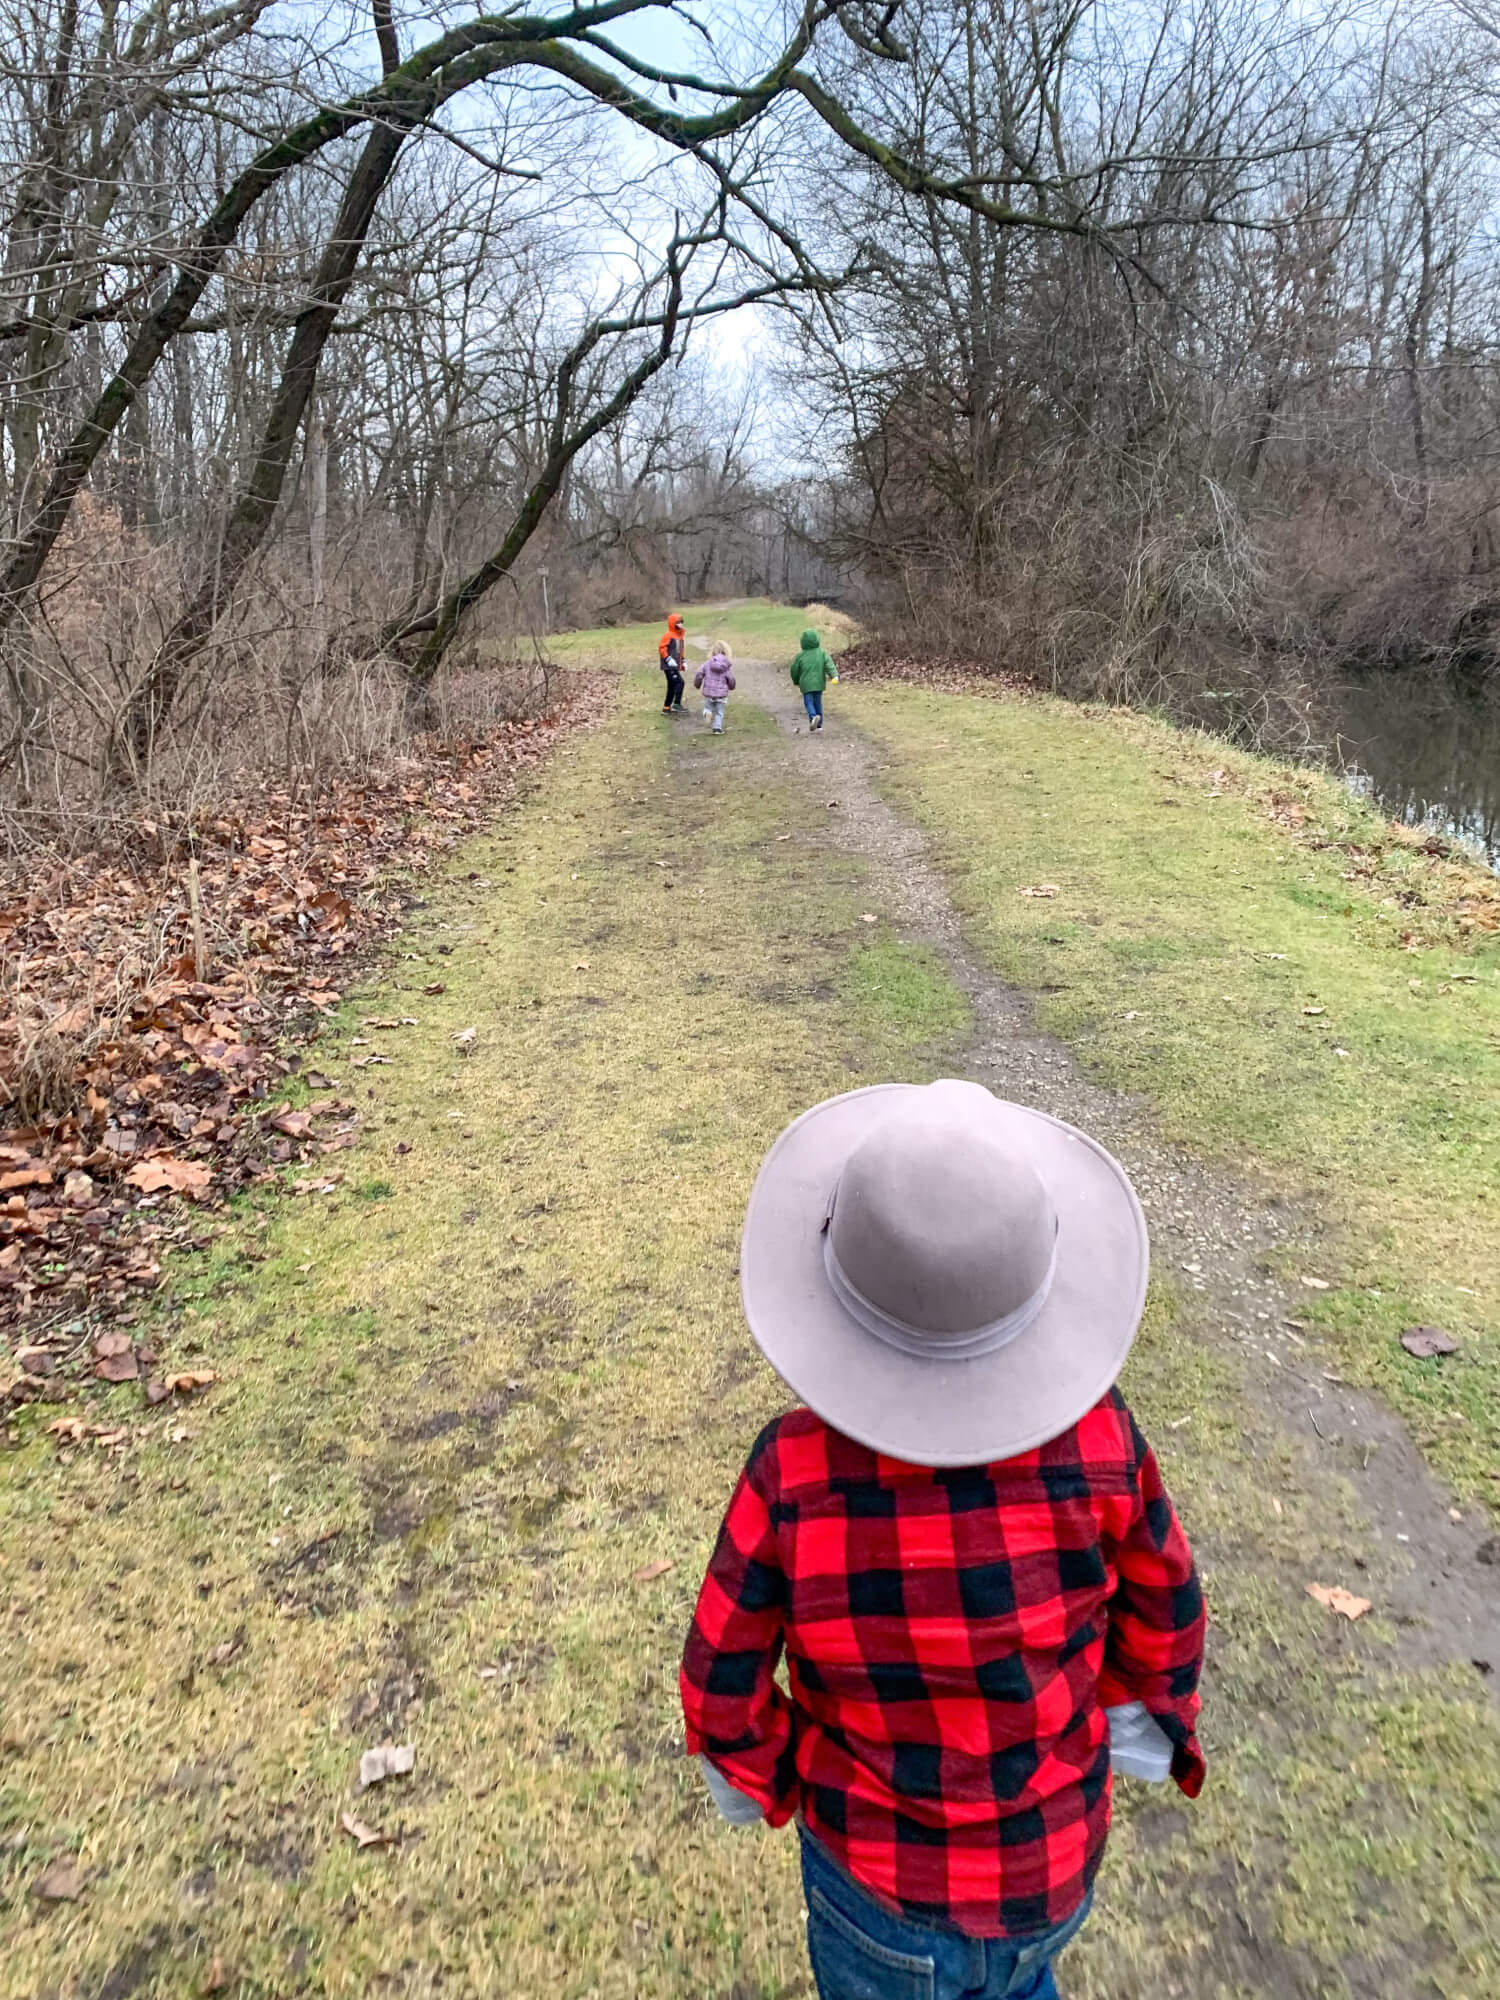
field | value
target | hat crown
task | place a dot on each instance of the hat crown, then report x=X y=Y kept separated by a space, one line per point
x=940 y=1222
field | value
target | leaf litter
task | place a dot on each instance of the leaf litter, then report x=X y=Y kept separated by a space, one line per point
x=139 y=1085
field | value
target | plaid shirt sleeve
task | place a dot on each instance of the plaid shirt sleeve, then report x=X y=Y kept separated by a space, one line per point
x=1154 y=1652
x=736 y=1714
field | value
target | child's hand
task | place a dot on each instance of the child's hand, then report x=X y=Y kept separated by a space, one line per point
x=733 y=1806
x=1138 y=1746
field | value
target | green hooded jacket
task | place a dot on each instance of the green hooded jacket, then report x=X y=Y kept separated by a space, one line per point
x=812 y=669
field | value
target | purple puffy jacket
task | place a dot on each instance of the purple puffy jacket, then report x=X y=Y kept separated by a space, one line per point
x=715 y=677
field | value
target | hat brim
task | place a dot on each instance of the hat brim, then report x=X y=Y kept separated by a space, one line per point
x=942 y=1412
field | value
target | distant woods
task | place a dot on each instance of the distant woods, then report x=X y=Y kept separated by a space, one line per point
x=1218 y=418
x=341 y=358
x=311 y=330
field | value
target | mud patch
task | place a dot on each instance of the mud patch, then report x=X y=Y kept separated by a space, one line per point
x=495 y=1403
x=399 y=1518
x=278 y=1856
x=130 y=1974
x=425 y=1429
x=405 y=1684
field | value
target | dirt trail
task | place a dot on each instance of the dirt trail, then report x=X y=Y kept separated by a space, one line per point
x=1212 y=1235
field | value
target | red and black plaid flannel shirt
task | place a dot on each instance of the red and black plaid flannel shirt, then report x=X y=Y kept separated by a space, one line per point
x=952 y=1639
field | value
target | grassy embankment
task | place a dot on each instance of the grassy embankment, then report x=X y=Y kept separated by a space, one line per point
x=472 y=1399
x=1287 y=982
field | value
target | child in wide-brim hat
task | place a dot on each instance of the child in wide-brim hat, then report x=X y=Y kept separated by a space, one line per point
x=961 y=1543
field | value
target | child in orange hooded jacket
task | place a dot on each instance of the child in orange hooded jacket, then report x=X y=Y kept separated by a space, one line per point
x=669 y=653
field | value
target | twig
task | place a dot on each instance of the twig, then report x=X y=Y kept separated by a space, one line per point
x=310 y=1549
x=195 y=902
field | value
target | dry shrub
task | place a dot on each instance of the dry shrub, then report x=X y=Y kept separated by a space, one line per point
x=623 y=589
x=1171 y=608
x=272 y=697
x=44 y=1049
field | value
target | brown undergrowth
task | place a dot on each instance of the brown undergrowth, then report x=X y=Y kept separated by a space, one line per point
x=157 y=1006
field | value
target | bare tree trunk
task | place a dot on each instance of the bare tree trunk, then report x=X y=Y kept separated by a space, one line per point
x=441 y=625
x=255 y=509
x=317 y=522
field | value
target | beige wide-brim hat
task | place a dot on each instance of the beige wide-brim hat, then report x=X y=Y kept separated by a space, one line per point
x=945 y=1276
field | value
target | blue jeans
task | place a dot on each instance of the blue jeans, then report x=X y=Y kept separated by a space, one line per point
x=813 y=703
x=860 y=1952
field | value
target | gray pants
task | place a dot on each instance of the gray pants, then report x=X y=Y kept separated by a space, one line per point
x=713 y=706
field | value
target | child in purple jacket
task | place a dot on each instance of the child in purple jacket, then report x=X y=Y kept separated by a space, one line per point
x=716 y=678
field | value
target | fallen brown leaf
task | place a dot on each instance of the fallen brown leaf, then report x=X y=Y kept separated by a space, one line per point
x=217 y=1978
x=169 y=1175
x=1426 y=1341
x=366 y=1836
x=386 y=1760
x=1042 y=889
x=61 y=1881
x=1340 y=1600
x=648 y=1572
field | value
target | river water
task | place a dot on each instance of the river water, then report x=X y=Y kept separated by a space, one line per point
x=1426 y=753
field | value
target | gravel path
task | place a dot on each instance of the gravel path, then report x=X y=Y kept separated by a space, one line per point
x=1214 y=1233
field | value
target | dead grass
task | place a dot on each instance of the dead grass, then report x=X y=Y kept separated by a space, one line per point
x=468 y=1397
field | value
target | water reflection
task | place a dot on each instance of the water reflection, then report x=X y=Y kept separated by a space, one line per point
x=1426 y=753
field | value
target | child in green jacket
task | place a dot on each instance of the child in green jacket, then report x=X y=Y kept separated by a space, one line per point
x=812 y=671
